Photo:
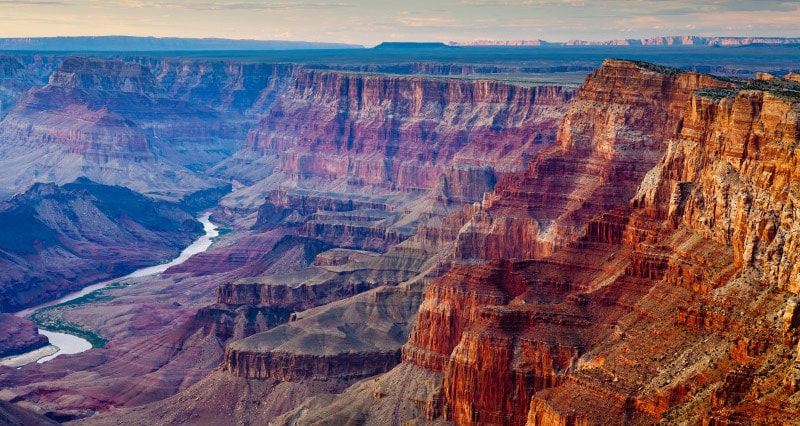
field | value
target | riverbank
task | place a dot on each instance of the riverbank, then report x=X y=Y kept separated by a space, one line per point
x=66 y=343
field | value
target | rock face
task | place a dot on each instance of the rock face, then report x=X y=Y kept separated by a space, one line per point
x=614 y=131
x=58 y=239
x=656 y=260
x=640 y=269
x=113 y=122
x=18 y=335
x=402 y=133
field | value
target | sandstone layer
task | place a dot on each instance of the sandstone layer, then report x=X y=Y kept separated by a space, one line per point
x=640 y=269
x=654 y=278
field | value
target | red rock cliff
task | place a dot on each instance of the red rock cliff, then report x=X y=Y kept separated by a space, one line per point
x=614 y=131
x=505 y=340
x=404 y=132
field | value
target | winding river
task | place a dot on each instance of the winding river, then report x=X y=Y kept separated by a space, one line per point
x=69 y=344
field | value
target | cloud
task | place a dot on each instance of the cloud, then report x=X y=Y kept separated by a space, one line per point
x=235 y=6
x=32 y=3
x=430 y=22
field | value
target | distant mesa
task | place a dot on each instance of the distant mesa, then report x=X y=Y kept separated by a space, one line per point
x=652 y=41
x=411 y=45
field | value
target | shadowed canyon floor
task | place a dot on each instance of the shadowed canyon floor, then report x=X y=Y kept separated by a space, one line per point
x=413 y=249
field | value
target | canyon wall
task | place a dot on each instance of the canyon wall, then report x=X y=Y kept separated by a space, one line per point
x=659 y=268
x=402 y=133
x=614 y=131
x=639 y=268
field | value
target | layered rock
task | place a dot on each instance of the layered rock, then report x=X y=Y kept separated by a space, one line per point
x=633 y=308
x=18 y=335
x=403 y=132
x=59 y=239
x=110 y=121
x=730 y=176
x=614 y=131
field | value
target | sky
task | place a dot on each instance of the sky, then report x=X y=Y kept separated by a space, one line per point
x=369 y=22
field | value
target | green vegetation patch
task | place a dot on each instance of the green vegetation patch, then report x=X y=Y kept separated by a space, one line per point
x=786 y=89
x=717 y=92
x=51 y=317
x=655 y=68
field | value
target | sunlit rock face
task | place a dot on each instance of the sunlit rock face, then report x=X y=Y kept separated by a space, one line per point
x=640 y=268
x=654 y=274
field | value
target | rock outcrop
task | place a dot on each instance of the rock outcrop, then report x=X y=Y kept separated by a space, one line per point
x=113 y=122
x=57 y=239
x=402 y=133
x=640 y=269
x=614 y=132
x=656 y=237
x=18 y=335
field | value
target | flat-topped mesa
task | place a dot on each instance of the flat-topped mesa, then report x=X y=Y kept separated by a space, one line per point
x=614 y=131
x=732 y=175
x=314 y=345
x=402 y=133
x=105 y=75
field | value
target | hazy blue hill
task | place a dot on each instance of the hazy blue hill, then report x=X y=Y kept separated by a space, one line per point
x=145 y=44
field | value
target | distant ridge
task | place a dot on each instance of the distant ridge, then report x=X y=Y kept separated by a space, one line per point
x=652 y=41
x=410 y=45
x=130 y=43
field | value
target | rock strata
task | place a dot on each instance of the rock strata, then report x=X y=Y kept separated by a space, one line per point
x=18 y=335
x=652 y=241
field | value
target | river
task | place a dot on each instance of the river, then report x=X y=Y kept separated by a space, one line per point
x=70 y=344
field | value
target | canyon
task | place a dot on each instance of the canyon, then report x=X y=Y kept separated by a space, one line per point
x=406 y=247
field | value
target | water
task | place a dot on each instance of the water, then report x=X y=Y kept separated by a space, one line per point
x=70 y=344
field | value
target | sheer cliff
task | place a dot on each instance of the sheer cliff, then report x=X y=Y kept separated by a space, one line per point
x=654 y=282
x=402 y=133
x=280 y=281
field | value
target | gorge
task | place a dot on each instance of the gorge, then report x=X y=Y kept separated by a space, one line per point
x=407 y=245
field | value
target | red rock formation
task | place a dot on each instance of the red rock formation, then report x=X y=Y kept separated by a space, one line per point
x=18 y=335
x=473 y=324
x=404 y=132
x=601 y=156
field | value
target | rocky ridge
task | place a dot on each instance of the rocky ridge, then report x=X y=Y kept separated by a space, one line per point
x=18 y=335
x=577 y=334
x=58 y=239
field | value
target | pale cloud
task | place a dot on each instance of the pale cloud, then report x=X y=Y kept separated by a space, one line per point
x=370 y=22
x=429 y=22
